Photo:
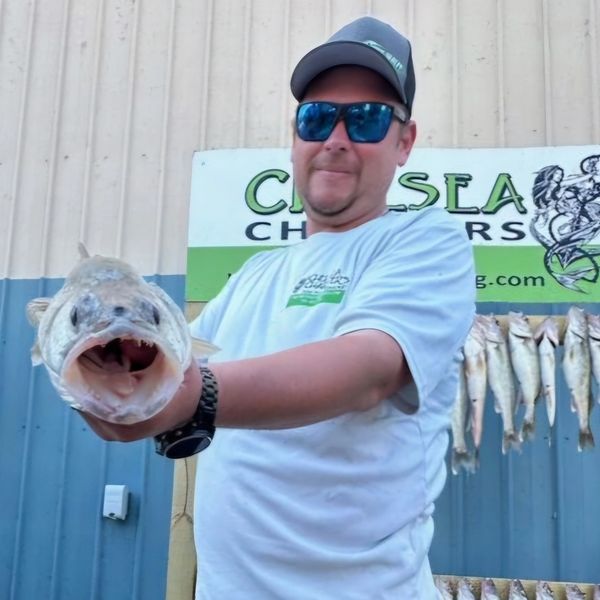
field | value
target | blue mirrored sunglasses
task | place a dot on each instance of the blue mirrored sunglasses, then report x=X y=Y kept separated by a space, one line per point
x=366 y=122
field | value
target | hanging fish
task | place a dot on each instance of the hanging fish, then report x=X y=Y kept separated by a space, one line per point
x=516 y=591
x=594 y=341
x=526 y=366
x=444 y=587
x=576 y=367
x=476 y=378
x=573 y=592
x=465 y=590
x=546 y=336
x=460 y=454
x=501 y=381
x=543 y=591
x=489 y=591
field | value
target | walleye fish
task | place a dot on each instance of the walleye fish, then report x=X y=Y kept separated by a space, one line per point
x=573 y=592
x=526 y=366
x=576 y=367
x=114 y=345
x=465 y=590
x=476 y=378
x=489 y=591
x=444 y=587
x=594 y=341
x=460 y=454
x=501 y=381
x=516 y=590
x=543 y=591
x=546 y=336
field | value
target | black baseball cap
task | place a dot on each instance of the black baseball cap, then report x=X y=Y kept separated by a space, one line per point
x=366 y=42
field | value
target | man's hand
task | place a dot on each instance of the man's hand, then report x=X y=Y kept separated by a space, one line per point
x=179 y=410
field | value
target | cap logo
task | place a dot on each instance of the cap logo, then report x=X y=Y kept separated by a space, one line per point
x=398 y=66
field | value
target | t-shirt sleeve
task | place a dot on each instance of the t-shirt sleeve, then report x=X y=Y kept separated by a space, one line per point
x=420 y=290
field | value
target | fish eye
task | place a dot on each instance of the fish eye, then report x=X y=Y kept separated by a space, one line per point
x=74 y=316
x=156 y=315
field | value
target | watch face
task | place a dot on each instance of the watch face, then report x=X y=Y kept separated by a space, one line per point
x=188 y=444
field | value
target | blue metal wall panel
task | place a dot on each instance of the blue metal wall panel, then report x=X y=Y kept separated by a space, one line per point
x=55 y=543
x=532 y=515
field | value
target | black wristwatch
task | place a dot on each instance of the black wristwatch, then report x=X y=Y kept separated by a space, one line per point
x=195 y=435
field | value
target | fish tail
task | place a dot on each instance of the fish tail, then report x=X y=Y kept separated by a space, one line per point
x=461 y=459
x=586 y=439
x=528 y=430
x=511 y=439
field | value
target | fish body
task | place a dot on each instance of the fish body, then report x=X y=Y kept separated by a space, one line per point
x=460 y=454
x=573 y=592
x=577 y=370
x=476 y=377
x=114 y=345
x=488 y=590
x=546 y=336
x=501 y=382
x=543 y=591
x=464 y=590
x=444 y=588
x=594 y=341
x=516 y=591
x=526 y=366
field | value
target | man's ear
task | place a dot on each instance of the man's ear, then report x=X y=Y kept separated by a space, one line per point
x=408 y=135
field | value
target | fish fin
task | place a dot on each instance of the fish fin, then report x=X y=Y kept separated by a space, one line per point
x=511 y=440
x=202 y=348
x=497 y=407
x=36 y=355
x=461 y=459
x=573 y=408
x=35 y=309
x=528 y=431
x=586 y=439
x=83 y=251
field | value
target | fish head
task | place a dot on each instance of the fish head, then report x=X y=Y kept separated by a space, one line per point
x=594 y=326
x=493 y=331
x=518 y=324
x=465 y=590
x=577 y=322
x=516 y=590
x=489 y=590
x=543 y=591
x=548 y=328
x=114 y=345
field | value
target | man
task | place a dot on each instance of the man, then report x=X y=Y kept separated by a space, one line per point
x=336 y=377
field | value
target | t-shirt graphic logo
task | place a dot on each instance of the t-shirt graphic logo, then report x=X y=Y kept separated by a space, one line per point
x=319 y=289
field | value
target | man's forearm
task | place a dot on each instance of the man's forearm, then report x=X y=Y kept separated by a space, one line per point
x=291 y=388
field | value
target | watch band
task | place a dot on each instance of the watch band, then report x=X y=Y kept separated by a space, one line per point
x=195 y=435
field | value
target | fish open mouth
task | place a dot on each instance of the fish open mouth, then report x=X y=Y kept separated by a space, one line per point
x=123 y=379
x=120 y=355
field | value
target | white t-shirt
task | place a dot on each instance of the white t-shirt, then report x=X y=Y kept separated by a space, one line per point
x=341 y=509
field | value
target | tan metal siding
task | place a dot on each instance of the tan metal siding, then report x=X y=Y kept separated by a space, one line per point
x=104 y=102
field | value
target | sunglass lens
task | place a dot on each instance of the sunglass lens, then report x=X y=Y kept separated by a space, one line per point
x=315 y=121
x=368 y=122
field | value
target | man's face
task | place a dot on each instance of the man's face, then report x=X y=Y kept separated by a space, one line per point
x=342 y=183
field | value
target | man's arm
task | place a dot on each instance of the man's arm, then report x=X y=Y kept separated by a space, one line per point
x=291 y=388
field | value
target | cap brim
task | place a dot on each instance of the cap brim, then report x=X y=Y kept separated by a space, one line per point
x=336 y=54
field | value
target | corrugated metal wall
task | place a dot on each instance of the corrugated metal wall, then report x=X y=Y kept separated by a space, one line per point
x=101 y=105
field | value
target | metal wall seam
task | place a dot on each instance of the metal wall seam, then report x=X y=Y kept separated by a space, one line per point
x=91 y=122
x=127 y=133
x=165 y=140
x=55 y=129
